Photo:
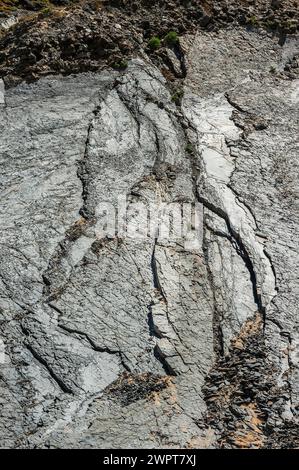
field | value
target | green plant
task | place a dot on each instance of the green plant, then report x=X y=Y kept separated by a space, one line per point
x=290 y=25
x=120 y=65
x=253 y=20
x=270 y=24
x=154 y=43
x=272 y=69
x=177 y=97
x=46 y=11
x=189 y=148
x=171 y=38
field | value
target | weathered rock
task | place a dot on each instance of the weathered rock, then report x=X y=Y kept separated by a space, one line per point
x=81 y=301
x=253 y=206
x=130 y=339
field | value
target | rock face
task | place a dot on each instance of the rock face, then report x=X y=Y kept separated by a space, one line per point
x=115 y=339
x=88 y=35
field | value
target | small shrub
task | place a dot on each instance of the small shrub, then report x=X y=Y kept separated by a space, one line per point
x=45 y=11
x=290 y=26
x=270 y=24
x=120 y=65
x=171 y=38
x=177 y=97
x=154 y=43
x=272 y=69
x=253 y=21
x=189 y=148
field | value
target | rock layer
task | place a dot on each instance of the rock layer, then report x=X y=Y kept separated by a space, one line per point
x=117 y=341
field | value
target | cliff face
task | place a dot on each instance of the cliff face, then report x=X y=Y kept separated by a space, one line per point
x=114 y=338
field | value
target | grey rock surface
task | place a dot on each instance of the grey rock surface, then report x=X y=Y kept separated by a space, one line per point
x=113 y=340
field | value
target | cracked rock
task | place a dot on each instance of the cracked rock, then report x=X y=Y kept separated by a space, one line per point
x=122 y=339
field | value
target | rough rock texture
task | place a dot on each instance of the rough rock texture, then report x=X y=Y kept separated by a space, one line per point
x=116 y=341
x=89 y=310
x=245 y=128
x=90 y=35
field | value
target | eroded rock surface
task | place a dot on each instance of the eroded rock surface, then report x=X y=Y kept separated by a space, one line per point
x=245 y=142
x=114 y=341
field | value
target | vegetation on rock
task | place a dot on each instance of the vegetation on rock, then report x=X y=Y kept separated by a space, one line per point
x=154 y=43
